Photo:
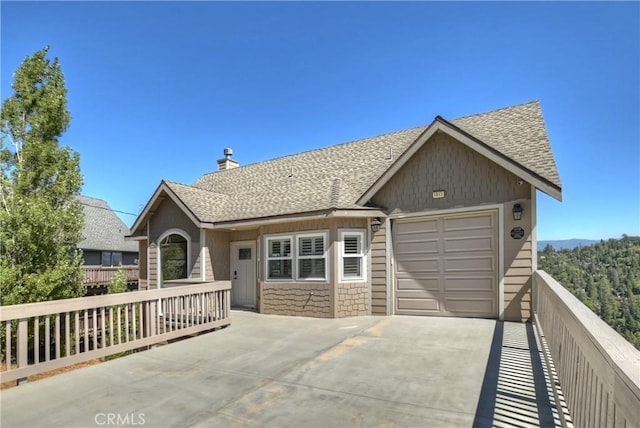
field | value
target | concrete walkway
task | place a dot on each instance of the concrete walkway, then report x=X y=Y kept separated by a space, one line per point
x=274 y=371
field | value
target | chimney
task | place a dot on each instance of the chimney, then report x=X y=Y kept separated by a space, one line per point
x=227 y=162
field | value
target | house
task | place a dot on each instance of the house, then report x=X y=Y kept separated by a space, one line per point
x=436 y=220
x=104 y=248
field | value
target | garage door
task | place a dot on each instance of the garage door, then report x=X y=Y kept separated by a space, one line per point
x=446 y=265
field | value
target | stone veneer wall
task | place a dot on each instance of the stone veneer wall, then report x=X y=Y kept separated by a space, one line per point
x=308 y=299
x=352 y=299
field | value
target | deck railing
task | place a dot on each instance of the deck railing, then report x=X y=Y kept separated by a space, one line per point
x=101 y=275
x=45 y=336
x=598 y=370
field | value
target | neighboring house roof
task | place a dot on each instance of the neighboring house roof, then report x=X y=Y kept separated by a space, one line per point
x=103 y=229
x=346 y=175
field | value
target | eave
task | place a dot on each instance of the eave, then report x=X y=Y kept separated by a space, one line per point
x=289 y=218
x=158 y=196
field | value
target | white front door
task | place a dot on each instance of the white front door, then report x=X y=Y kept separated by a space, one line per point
x=243 y=273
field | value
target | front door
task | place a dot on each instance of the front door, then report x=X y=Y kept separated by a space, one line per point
x=243 y=273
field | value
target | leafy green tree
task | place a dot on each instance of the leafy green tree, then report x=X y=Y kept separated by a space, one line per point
x=40 y=221
x=118 y=283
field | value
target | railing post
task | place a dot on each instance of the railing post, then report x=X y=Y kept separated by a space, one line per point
x=153 y=317
x=534 y=293
x=22 y=346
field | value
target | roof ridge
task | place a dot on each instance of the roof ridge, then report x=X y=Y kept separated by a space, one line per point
x=496 y=110
x=319 y=149
x=190 y=186
x=91 y=197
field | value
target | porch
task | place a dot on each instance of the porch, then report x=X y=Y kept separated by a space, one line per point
x=364 y=371
x=288 y=371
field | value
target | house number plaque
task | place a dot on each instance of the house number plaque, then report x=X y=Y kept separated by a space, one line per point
x=517 y=233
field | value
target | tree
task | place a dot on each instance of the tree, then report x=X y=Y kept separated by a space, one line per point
x=118 y=283
x=40 y=220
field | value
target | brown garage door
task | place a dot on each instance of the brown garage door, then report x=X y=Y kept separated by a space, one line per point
x=446 y=265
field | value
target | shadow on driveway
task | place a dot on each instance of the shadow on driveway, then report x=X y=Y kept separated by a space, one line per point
x=515 y=390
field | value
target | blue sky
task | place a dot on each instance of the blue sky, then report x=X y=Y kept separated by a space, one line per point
x=157 y=90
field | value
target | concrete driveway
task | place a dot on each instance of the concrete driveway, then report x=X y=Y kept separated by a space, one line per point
x=275 y=371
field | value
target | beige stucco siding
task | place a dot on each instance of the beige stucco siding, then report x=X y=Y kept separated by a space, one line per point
x=442 y=163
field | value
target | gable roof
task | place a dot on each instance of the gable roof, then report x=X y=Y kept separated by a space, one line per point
x=345 y=176
x=514 y=137
x=103 y=229
x=517 y=132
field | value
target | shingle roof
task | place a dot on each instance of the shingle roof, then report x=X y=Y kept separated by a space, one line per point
x=517 y=132
x=103 y=229
x=333 y=177
x=336 y=176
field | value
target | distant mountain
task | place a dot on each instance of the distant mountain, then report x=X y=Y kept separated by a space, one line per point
x=566 y=243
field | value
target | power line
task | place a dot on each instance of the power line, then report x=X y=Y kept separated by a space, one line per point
x=108 y=209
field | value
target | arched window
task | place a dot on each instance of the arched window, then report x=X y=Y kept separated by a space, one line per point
x=173 y=257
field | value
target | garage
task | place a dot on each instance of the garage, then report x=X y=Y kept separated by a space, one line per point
x=447 y=265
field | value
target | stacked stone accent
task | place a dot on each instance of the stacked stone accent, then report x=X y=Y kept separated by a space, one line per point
x=352 y=299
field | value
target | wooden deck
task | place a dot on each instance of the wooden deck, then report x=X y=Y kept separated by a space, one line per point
x=101 y=275
x=45 y=336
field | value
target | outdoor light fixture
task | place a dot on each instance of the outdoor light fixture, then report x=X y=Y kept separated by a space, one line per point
x=375 y=224
x=517 y=212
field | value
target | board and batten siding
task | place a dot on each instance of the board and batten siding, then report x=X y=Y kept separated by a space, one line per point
x=378 y=256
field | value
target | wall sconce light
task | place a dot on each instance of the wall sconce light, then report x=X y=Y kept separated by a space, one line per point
x=375 y=224
x=517 y=212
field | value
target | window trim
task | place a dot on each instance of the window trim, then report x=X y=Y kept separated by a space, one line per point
x=173 y=231
x=268 y=257
x=295 y=274
x=324 y=255
x=361 y=234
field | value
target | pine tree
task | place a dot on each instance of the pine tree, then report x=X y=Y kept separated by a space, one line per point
x=40 y=221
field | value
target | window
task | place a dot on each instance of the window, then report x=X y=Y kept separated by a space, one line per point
x=352 y=261
x=173 y=257
x=279 y=258
x=311 y=257
x=244 y=254
x=306 y=254
x=111 y=258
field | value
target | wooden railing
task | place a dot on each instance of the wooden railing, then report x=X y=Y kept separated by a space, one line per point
x=598 y=370
x=101 y=275
x=45 y=336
